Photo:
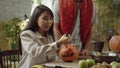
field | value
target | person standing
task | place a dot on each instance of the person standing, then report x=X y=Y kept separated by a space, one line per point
x=74 y=17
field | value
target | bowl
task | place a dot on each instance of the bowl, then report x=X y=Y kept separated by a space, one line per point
x=98 y=45
x=104 y=56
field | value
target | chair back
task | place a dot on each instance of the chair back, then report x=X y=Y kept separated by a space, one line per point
x=9 y=58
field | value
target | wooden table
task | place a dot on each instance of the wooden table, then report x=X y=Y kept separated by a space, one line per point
x=63 y=64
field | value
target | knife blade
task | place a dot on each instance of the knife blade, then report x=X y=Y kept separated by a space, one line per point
x=55 y=66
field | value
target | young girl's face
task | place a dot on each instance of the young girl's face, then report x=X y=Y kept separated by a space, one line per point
x=45 y=21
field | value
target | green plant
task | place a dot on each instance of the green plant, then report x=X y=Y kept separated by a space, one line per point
x=107 y=16
x=11 y=31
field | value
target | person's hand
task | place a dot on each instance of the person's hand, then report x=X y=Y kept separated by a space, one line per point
x=85 y=52
x=63 y=40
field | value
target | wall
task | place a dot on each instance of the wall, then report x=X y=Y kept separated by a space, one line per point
x=10 y=9
x=14 y=8
x=48 y=3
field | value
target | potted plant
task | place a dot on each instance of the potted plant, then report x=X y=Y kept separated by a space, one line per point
x=107 y=20
x=11 y=31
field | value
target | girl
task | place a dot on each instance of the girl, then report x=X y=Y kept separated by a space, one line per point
x=37 y=40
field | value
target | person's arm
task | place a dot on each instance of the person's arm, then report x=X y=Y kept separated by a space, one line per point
x=85 y=51
x=57 y=32
x=88 y=40
x=32 y=46
x=56 y=27
x=89 y=37
x=87 y=47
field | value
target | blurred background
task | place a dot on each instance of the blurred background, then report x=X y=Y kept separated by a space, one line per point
x=14 y=15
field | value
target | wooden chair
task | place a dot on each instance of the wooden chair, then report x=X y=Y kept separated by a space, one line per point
x=9 y=58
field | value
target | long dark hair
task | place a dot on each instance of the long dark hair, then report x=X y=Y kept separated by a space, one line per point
x=32 y=24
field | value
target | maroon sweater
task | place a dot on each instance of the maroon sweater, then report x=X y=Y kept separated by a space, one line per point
x=68 y=14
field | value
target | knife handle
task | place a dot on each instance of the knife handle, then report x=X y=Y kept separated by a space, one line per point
x=59 y=67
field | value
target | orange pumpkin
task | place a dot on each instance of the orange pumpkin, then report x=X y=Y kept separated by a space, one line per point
x=114 y=43
x=68 y=53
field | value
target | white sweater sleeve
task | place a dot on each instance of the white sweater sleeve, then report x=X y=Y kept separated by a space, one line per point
x=33 y=48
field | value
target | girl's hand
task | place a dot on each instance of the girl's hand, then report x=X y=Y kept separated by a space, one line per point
x=63 y=40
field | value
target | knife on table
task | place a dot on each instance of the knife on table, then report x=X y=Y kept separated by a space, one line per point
x=55 y=66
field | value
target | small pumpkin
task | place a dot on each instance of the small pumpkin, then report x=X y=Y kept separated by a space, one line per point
x=114 y=43
x=68 y=53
